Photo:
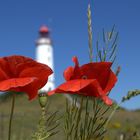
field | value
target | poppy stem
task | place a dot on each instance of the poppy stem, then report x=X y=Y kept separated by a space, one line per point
x=11 y=116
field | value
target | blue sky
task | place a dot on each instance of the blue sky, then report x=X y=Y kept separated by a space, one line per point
x=67 y=20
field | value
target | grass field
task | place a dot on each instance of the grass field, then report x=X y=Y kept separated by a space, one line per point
x=26 y=117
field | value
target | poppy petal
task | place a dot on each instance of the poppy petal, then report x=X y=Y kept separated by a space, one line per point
x=12 y=63
x=99 y=71
x=31 y=90
x=41 y=72
x=94 y=89
x=30 y=63
x=3 y=75
x=73 y=72
x=82 y=87
x=68 y=73
x=79 y=86
x=5 y=67
x=23 y=74
x=71 y=86
x=75 y=60
x=112 y=79
x=15 y=83
x=93 y=70
x=32 y=94
x=76 y=70
x=107 y=100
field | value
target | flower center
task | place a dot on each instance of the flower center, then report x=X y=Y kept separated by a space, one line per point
x=84 y=77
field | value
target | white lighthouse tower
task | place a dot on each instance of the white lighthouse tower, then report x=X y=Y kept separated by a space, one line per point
x=44 y=54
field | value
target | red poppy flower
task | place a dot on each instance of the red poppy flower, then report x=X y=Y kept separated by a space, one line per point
x=23 y=74
x=92 y=79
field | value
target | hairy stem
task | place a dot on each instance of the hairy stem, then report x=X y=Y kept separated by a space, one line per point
x=112 y=114
x=11 y=116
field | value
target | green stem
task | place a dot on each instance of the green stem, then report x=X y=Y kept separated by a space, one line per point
x=90 y=33
x=125 y=98
x=11 y=116
x=43 y=116
x=111 y=115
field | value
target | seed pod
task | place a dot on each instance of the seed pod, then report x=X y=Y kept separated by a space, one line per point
x=42 y=99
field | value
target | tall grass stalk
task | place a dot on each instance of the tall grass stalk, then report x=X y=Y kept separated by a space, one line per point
x=11 y=116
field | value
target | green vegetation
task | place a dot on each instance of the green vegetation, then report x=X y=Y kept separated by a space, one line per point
x=27 y=115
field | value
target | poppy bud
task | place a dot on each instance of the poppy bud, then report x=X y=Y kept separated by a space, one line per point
x=42 y=99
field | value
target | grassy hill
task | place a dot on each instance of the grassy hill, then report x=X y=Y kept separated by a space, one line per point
x=26 y=117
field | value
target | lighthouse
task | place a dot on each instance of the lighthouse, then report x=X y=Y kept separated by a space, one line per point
x=44 y=54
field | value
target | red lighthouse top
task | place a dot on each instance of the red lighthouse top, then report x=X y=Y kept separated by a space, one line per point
x=43 y=30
